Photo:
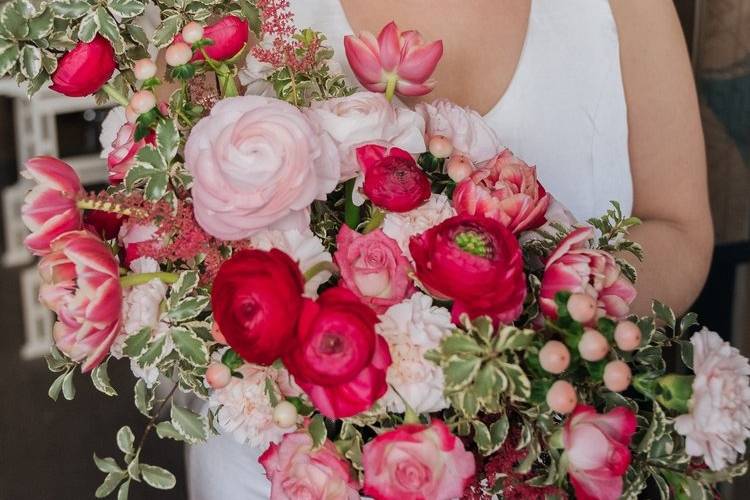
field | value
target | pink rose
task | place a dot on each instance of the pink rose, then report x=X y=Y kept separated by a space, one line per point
x=597 y=451
x=505 y=189
x=417 y=462
x=373 y=267
x=257 y=162
x=298 y=472
x=465 y=128
x=574 y=268
x=124 y=149
x=50 y=209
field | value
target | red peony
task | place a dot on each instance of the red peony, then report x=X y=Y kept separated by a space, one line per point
x=229 y=35
x=393 y=180
x=474 y=261
x=256 y=300
x=338 y=359
x=85 y=69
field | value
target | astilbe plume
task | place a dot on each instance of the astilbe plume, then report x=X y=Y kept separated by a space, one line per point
x=277 y=23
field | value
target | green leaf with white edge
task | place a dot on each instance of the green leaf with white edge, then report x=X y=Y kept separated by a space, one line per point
x=125 y=439
x=189 y=308
x=55 y=364
x=482 y=437
x=520 y=385
x=157 y=477
x=459 y=343
x=191 y=426
x=12 y=21
x=185 y=284
x=49 y=62
x=100 y=378
x=31 y=61
x=686 y=353
x=687 y=322
x=486 y=380
x=661 y=485
x=107 y=464
x=156 y=351
x=165 y=430
x=111 y=482
x=70 y=9
x=122 y=493
x=8 y=56
x=109 y=29
x=134 y=469
x=56 y=387
x=191 y=348
x=41 y=25
x=126 y=8
x=88 y=28
x=318 y=431
x=167 y=139
x=511 y=338
x=136 y=344
x=138 y=35
x=459 y=373
x=655 y=431
x=143 y=398
x=664 y=313
x=167 y=30
x=68 y=389
x=499 y=432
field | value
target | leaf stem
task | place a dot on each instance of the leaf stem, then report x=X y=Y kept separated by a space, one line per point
x=378 y=216
x=151 y=421
x=142 y=278
x=351 y=211
x=319 y=268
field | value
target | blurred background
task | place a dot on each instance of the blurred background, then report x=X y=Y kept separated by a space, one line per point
x=45 y=446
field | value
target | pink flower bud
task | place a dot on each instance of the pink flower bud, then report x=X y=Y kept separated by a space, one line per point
x=459 y=167
x=582 y=307
x=617 y=376
x=440 y=146
x=285 y=414
x=593 y=345
x=562 y=397
x=142 y=101
x=144 y=69
x=178 y=53
x=229 y=36
x=627 y=336
x=192 y=32
x=85 y=69
x=554 y=357
x=218 y=375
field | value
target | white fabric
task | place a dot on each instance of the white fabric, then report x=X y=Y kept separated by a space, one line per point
x=564 y=111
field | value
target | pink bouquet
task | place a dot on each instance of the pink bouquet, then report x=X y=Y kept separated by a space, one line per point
x=386 y=301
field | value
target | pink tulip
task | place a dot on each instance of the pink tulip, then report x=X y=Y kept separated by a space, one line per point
x=85 y=69
x=50 y=210
x=80 y=283
x=574 y=268
x=505 y=189
x=394 y=57
x=597 y=451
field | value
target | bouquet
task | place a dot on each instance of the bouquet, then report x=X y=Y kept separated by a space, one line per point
x=386 y=300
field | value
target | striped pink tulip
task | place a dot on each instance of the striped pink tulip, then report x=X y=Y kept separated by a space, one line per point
x=575 y=268
x=397 y=58
x=80 y=283
x=50 y=210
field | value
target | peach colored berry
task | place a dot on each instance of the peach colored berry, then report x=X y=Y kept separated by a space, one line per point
x=593 y=345
x=218 y=375
x=440 y=146
x=144 y=69
x=627 y=336
x=582 y=307
x=562 y=397
x=142 y=101
x=192 y=32
x=285 y=414
x=554 y=357
x=617 y=376
x=458 y=168
x=178 y=54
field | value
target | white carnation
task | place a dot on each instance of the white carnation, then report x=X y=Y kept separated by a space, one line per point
x=401 y=227
x=412 y=328
x=719 y=420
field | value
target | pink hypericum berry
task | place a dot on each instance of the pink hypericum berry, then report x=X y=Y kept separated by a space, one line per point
x=142 y=101
x=218 y=375
x=440 y=146
x=192 y=32
x=285 y=414
x=593 y=345
x=554 y=357
x=459 y=167
x=627 y=336
x=617 y=376
x=582 y=307
x=562 y=397
x=144 y=69
x=179 y=53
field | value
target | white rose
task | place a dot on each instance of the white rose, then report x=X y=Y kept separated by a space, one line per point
x=365 y=118
x=401 y=227
x=465 y=128
x=719 y=420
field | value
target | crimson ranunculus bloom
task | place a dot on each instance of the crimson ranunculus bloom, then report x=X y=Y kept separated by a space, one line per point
x=85 y=69
x=393 y=180
x=229 y=35
x=474 y=261
x=256 y=299
x=338 y=359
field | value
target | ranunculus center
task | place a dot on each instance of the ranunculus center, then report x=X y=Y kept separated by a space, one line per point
x=474 y=243
x=247 y=312
x=331 y=343
x=412 y=475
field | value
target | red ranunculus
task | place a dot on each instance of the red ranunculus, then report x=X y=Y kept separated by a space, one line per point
x=105 y=224
x=393 y=180
x=229 y=35
x=338 y=359
x=256 y=300
x=474 y=261
x=84 y=69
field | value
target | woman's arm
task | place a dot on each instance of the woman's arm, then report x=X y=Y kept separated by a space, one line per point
x=667 y=153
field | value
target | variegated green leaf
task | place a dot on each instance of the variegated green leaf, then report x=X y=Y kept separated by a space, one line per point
x=12 y=21
x=109 y=29
x=8 y=56
x=70 y=9
x=107 y=464
x=111 y=482
x=155 y=352
x=88 y=28
x=31 y=61
x=157 y=477
x=41 y=25
x=126 y=8
x=191 y=348
x=125 y=439
x=143 y=398
x=167 y=139
x=167 y=30
x=185 y=284
x=136 y=344
x=188 y=308
x=100 y=378
x=460 y=373
x=191 y=426
x=165 y=430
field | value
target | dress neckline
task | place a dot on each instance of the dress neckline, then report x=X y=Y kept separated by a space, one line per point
x=520 y=64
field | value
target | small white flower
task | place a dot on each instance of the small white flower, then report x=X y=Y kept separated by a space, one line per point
x=412 y=328
x=719 y=420
x=112 y=123
x=401 y=227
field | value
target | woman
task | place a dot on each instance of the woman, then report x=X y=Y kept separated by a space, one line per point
x=598 y=94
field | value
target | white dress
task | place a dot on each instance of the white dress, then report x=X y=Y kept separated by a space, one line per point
x=564 y=112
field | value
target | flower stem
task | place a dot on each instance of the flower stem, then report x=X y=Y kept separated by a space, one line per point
x=351 y=211
x=319 y=268
x=142 y=278
x=107 y=206
x=115 y=94
x=390 y=87
x=378 y=216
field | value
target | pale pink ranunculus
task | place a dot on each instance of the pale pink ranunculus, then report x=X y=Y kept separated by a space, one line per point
x=465 y=129
x=597 y=451
x=50 y=209
x=81 y=284
x=366 y=118
x=124 y=149
x=575 y=268
x=417 y=462
x=297 y=471
x=373 y=268
x=505 y=189
x=258 y=163
x=403 y=58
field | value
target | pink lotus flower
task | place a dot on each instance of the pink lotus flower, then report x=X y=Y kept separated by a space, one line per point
x=124 y=149
x=80 y=282
x=597 y=451
x=574 y=268
x=85 y=69
x=373 y=268
x=417 y=462
x=505 y=189
x=394 y=57
x=50 y=210
x=297 y=471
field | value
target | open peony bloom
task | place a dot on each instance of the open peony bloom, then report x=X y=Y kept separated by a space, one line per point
x=417 y=462
x=401 y=60
x=81 y=284
x=50 y=210
x=85 y=69
x=393 y=180
x=505 y=189
x=574 y=268
x=719 y=420
x=597 y=451
x=229 y=36
x=298 y=471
